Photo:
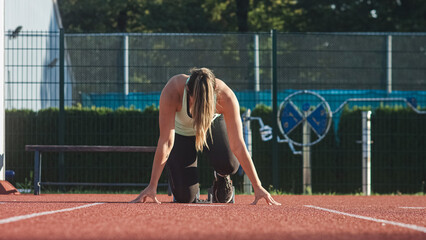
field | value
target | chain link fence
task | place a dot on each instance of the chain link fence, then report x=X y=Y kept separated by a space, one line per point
x=112 y=85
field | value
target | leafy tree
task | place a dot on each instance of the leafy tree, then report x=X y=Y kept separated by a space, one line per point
x=175 y=16
x=271 y=14
x=359 y=15
x=136 y=16
x=98 y=15
x=243 y=15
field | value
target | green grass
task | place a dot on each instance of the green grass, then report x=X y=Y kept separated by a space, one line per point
x=203 y=191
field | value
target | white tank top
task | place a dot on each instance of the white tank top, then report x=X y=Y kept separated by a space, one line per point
x=183 y=122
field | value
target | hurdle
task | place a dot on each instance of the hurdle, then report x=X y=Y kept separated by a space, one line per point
x=39 y=149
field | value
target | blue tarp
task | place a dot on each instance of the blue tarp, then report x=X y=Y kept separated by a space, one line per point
x=249 y=99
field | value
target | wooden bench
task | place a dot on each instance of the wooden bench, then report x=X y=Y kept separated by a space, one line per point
x=39 y=149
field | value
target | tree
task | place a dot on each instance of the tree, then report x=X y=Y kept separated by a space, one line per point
x=271 y=14
x=182 y=16
x=98 y=15
x=137 y=16
x=359 y=15
x=243 y=15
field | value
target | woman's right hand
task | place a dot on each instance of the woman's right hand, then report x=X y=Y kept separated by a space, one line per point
x=148 y=192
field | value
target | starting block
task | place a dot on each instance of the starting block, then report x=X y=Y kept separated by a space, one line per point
x=7 y=188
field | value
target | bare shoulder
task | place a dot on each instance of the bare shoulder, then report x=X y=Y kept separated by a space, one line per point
x=226 y=98
x=224 y=91
x=174 y=87
x=176 y=83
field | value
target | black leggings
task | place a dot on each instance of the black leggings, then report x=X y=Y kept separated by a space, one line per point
x=182 y=162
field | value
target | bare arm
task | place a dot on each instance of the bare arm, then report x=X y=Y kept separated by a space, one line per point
x=166 y=139
x=168 y=106
x=231 y=112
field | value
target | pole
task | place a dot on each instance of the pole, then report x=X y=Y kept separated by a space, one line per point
x=366 y=153
x=256 y=64
x=307 y=183
x=126 y=65
x=61 y=120
x=275 y=172
x=247 y=186
x=37 y=172
x=389 y=64
x=2 y=98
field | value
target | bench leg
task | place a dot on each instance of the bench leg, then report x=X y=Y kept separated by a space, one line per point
x=37 y=172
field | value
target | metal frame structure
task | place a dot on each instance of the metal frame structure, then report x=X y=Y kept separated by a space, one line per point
x=266 y=134
x=304 y=119
x=405 y=100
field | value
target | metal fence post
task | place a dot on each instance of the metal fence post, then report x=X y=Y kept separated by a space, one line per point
x=61 y=120
x=126 y=67
x=306 y=153
x=256 y=64
x=389 y=64
x=366 y=153
x=37 y=172
x=247 y=186
x=275 y=172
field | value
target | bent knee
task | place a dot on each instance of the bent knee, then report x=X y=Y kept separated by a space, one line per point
x=229 y=169
x=186 y=195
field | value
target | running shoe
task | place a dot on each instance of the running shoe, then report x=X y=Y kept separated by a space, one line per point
x=222 y=189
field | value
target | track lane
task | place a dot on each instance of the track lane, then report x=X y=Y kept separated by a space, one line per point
x=382 y=221
x=39 y=214
x=117 y=219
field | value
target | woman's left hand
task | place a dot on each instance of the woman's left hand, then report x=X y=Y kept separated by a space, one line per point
x=260 y=193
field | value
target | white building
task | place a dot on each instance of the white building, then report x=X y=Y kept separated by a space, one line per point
x=32 y=55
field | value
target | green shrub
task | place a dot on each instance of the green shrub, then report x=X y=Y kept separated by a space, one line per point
x=398 y=152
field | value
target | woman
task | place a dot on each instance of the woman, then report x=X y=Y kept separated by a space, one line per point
x=200 y=113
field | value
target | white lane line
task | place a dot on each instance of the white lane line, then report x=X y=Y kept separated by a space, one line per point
x=204 y=205
x=413 y=207
x=404 y=225
x=23 y=217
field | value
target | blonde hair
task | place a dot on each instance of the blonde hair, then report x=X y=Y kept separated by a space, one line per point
x=201 y=86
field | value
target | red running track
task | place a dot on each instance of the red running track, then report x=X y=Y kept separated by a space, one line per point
x=96 y=216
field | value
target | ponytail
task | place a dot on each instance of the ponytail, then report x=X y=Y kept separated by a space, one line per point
x=201 y=86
